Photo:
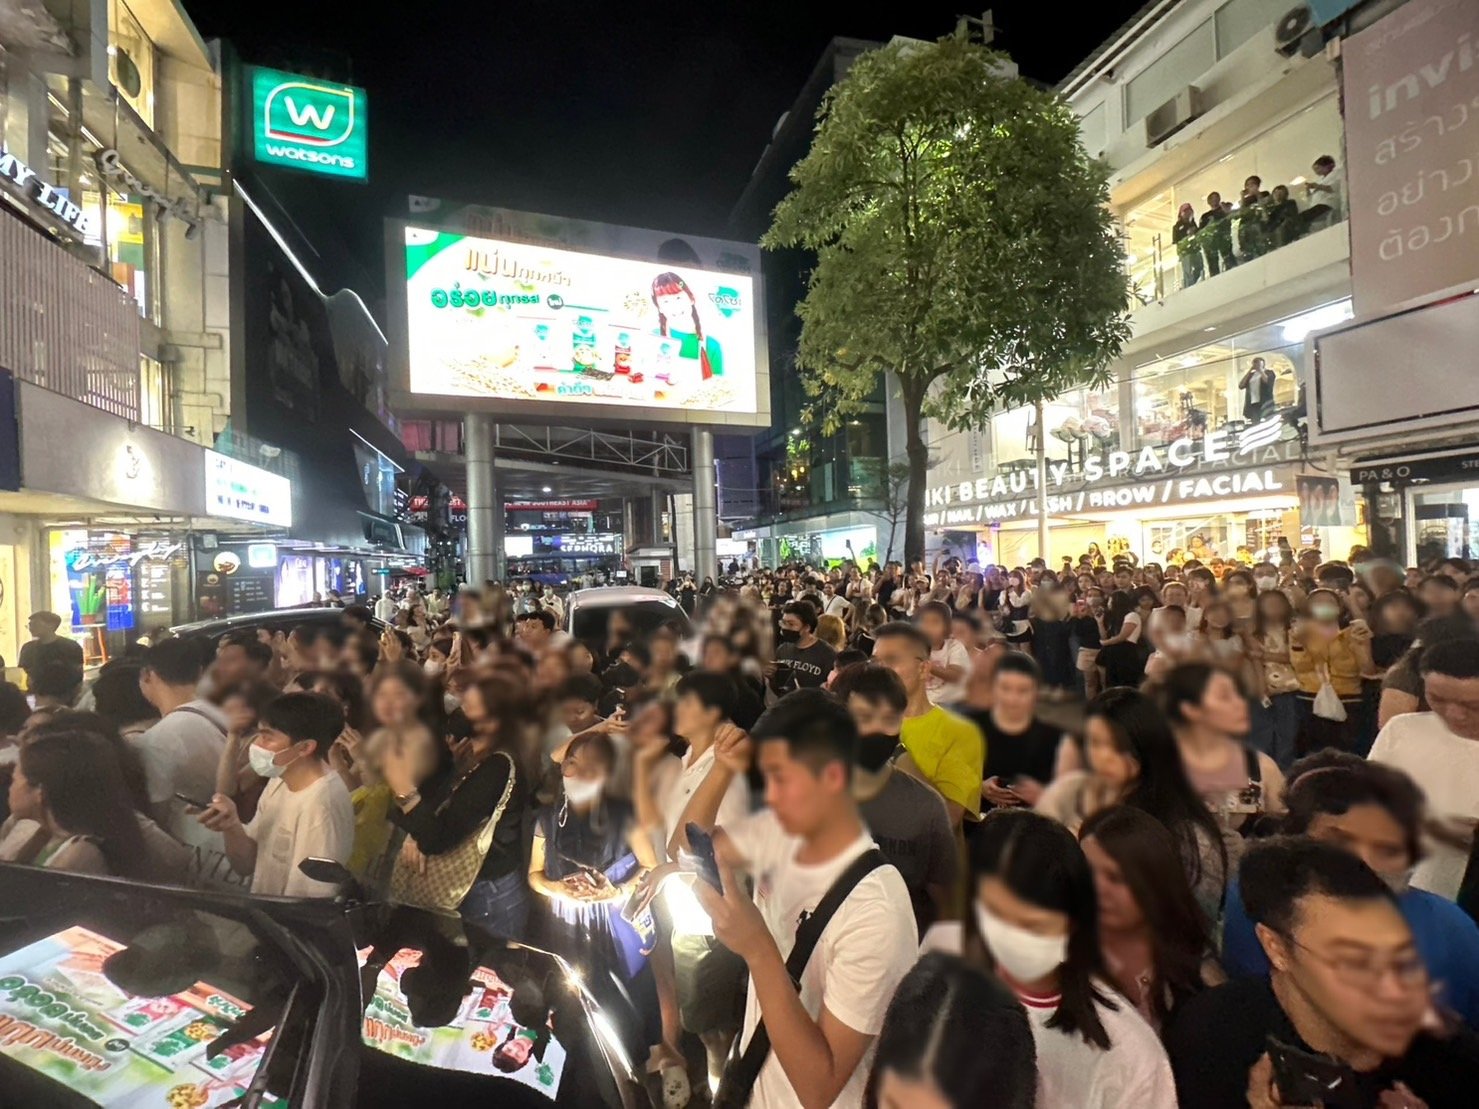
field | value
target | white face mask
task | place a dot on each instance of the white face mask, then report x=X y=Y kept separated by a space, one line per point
x=433 y=666
x=262 y=762
x=1265 y=583
x=1025 y=956
x=583 y=791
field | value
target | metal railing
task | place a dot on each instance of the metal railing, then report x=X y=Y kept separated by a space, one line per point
x=64 y=326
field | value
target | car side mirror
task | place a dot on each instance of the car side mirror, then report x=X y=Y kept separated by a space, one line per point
x=326 y=870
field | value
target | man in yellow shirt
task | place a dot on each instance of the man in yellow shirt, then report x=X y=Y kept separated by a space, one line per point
x=943 y=749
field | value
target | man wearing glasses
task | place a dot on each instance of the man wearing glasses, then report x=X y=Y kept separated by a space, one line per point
x=1347 y=985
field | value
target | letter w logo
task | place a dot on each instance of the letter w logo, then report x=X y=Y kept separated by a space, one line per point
x=308 y=114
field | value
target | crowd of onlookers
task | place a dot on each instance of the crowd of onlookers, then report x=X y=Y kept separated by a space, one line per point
x=851 y=840
x=1260 y=220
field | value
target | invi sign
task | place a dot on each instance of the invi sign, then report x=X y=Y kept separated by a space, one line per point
x=311 y=125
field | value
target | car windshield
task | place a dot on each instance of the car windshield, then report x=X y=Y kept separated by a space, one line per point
x=607 y=626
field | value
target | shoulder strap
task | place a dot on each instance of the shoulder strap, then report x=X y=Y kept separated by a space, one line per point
x=204 y=716
x=740 y=1074
x=1255 y=769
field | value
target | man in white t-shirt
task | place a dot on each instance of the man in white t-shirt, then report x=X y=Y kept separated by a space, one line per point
x=305 y=810
x=834 y=603
x=180 y=753
x=1439 y=750
x=821 y=1039
x=950 y=662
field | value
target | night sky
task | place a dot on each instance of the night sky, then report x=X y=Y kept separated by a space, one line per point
x=638 y=113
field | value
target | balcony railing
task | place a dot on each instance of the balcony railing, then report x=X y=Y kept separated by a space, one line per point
x=1247 y=233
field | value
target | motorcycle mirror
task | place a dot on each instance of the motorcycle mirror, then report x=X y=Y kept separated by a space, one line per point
x=326 y=870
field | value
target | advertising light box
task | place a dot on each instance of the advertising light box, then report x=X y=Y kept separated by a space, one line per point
x=307 y=124
x=546 y=328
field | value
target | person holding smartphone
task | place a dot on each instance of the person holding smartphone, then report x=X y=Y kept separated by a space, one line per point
x=1341 y=1019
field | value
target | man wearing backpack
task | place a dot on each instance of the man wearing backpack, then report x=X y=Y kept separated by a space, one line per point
x=828 y=912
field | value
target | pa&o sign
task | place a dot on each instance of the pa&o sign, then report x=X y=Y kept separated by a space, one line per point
x=310 y=125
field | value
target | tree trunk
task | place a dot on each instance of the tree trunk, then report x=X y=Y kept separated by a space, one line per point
x=918 y=455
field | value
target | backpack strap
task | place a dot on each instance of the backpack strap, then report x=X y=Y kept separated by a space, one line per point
x=741 y=1073
x=1250 y=759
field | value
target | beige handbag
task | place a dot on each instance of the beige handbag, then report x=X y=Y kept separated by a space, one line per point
x=448 y=876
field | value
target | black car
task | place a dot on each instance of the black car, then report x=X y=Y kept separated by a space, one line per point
x=280 y=619
x=121 y=994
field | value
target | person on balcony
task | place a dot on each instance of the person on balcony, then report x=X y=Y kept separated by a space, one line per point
x=1217 y=236
x=1188 y=247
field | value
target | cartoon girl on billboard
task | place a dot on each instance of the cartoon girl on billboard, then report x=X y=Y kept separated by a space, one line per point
x=677 y=316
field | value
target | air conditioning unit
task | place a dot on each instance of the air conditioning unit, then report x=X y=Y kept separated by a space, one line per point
x=1173 y=115
x=1298 y=33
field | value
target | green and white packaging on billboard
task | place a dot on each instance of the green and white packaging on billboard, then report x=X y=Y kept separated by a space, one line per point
x=311 y=125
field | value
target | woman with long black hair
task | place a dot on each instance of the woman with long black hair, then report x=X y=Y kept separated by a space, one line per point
x=1133 y=760
x=1154 y=936
x=1035 y=921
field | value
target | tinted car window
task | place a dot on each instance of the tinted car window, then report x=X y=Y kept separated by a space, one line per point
x=592 y=623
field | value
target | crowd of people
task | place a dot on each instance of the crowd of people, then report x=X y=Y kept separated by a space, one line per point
x=1261 y=220
x=1103 y=835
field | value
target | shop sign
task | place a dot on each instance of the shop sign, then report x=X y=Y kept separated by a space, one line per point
x=311 y=125
x=1256 y=445
x=159 y=550
x=549 y=506
x=599 y=544
x=239 y=491
x=1415 y=469
x=1145 y=494
x=111 y=167
x=42 y=194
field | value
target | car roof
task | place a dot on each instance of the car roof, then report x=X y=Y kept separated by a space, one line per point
x=223 y=624
x=603 y=595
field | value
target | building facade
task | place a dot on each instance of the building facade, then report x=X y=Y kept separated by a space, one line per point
x=1198 y=443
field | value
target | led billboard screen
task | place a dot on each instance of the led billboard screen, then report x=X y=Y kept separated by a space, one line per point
x=546 y=327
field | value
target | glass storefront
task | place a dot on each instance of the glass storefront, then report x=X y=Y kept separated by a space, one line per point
x=1444 y=522
x=109 y=587
x=1280 y=156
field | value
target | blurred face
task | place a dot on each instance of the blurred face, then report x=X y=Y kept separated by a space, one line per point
x=934 y=626
x=232 y=664
x=999 y=900
x=585 y=763
x=664 y=653
x=240 y=712
x=897 y=1092
x=1123 y=579
x=1355 y=963
x=874 y=717
x=1238 y=587
x=1218 y=617
x=25 y=799
x=472 y=703
x=1440 y=599
x=692 y=718
x=577 y=715
x=1370 y=833
x=393 y=703
x=797 y=795
x=1400 y=618
x=790 y=622
x=1114 y=767
x=1118 y=909
x=1222 y=708
x=581 y=659
x=904 y=658
x=717 y=656
x=1013 y=695
x=962 y=631
x=1456 y=701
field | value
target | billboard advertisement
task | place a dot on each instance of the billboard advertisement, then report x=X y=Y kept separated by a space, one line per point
x=568 y=327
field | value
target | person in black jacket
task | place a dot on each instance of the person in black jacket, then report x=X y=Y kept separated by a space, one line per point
x=1188 y=246
x=1216 y=236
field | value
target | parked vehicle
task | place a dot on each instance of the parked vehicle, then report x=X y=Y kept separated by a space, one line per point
x=280 y=619
x=638 y=610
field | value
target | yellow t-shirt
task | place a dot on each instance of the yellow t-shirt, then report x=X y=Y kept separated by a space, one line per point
x=951 y=752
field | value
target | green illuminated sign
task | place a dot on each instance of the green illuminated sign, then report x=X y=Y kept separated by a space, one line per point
x=307 y=124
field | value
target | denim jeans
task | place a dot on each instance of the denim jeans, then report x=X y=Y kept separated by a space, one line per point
x=1275 y=728
x=501 y=905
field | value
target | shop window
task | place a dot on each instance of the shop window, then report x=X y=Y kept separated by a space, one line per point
x=1280 y=156
x=131 y=60
x=1078 y=422
x=1169 y=74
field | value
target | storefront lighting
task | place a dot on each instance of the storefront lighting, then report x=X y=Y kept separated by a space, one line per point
x=546 y=489
x=1327 y=315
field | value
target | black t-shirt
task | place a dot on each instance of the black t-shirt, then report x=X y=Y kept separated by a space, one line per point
x=35 y=655
x=1086 y=629
x=1216 y=1037
x=884 y=591
x=802 y=667
x=1029 y=754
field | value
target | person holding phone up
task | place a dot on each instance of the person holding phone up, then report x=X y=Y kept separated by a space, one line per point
x=828 y=911
x=1344 y=1018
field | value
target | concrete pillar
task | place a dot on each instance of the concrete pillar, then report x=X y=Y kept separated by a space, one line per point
x=484 y=511
x=705 y=512
x=658 y=505
x=628 y=523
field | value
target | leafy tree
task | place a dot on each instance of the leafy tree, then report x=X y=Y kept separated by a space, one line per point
x=963 y=244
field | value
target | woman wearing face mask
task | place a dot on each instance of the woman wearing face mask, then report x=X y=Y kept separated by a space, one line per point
x=1275 y=712
x=1240 y=588
x=1210 y=717
x=1155 y=938
x=1218 y=635
x=1394 y=619
x=1327 y=647
x=588 y=856
x=1375 y=812
x=1134 y=760
x=1034 y=920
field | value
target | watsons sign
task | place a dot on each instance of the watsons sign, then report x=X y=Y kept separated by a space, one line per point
x=303 y=123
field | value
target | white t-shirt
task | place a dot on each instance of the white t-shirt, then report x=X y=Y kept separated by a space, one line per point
x=1446 y=768
x=678 y=780
x=838 y=606
x=866 y=950
x=1071 y=1072
x=938 y=690
x=180 y=754
x=293 y=825
x=1132 y=627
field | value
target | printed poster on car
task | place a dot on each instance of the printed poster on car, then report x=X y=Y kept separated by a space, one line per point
x=62 y=1016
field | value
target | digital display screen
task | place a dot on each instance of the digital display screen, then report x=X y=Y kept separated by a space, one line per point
x=490 y=318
